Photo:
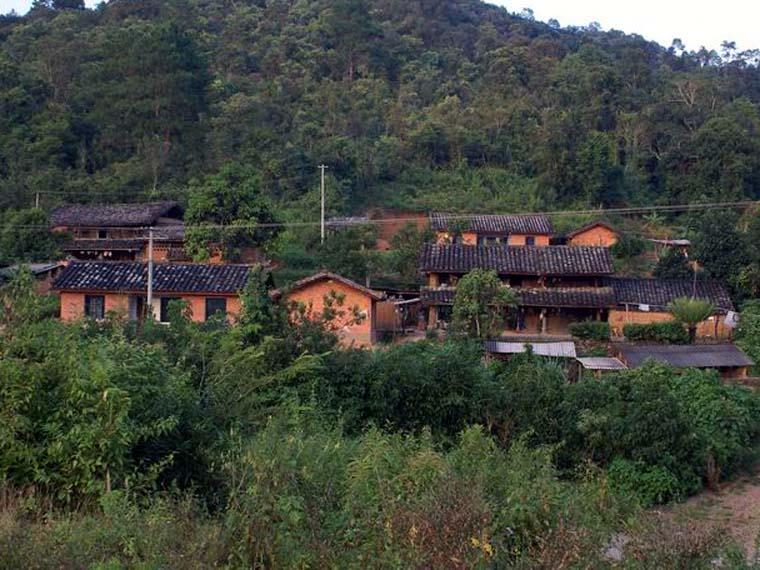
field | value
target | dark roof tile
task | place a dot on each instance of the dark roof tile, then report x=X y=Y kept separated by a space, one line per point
x=659 y=293
x=517 y=260
x=496 y=224
x=570 y=297
x=167 y=277
x=114 y=215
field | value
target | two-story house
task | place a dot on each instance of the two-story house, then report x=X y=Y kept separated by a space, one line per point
x=555 y=285
x=119 y=232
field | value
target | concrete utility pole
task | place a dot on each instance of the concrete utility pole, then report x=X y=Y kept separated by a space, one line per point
x=37 y=200
x=150 y=270
x=322 y=167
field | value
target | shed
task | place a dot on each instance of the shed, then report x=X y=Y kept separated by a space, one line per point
x=564 y=349
x=596 y=365
x=354 y=306
x=728 y=359
x=596 y=233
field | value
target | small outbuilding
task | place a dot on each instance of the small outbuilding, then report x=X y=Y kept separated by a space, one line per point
x=354 y=306
x=598 y=365
x=564 y=349
x=727 y=359
x=597 y=233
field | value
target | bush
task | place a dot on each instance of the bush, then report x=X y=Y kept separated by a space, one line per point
x=649 y=484
x=628 y=246
x=591 y=330
x=669 y=332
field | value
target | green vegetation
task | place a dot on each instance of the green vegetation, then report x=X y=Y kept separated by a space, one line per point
x=460 y=106
x=690 y=312
x=669 y=332
x=480 y=303
x=266 y=444
x=591 y=330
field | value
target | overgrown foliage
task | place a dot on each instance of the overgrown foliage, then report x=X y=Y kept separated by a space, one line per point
x=668 y=332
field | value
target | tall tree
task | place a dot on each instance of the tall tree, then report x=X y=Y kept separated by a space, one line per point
x=227 y=210
x=481 y=302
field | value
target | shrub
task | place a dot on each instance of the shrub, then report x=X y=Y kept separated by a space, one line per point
x=669 y=332
x=628 y=246
x=649 y=484
x=591 y=330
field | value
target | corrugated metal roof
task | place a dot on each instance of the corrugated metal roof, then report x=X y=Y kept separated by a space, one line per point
x=563 y=349
x=686 y=356
x=601 y=363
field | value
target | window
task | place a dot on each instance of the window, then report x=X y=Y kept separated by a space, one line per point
x=102 y=234
x=215 y=306
x=164 y=312
x=530 y=240
x=95 y=307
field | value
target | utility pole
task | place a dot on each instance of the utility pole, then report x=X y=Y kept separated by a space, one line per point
x=150 y=270
x=322 y=167
x=37 y=200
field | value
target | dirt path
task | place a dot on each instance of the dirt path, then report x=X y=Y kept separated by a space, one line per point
x=736 y=507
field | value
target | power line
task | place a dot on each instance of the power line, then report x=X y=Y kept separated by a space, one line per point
x=638 y=210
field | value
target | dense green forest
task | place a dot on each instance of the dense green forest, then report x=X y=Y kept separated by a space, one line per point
x=267 y=445
x=456 y=104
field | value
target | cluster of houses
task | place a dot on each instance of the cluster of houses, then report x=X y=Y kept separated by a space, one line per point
x=558 y=280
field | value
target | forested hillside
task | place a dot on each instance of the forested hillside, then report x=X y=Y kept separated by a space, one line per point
x=455 y=103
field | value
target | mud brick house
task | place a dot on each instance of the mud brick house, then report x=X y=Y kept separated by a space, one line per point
x=119 y=232
x=727 y=359
x=516 y=229
x=596 y=233
x=93 y=289
x=555 y=285
x=355 y=306
x=644 y=301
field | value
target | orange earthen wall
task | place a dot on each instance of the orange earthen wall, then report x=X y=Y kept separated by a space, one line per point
x=519 y=239
x=598 y=236
x=72 y=305
x=312 y=297
x=706 y=329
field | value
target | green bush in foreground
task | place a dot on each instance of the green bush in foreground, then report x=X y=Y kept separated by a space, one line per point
x=591 y=330
x=669 y=332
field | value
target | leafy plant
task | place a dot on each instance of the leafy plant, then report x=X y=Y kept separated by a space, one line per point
x=668 y=332
x=691 y=312
x=590 y=330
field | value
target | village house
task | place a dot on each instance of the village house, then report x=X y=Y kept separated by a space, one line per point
x=645 y=301
x=727 y=359
x=44 y=274
x=596 y=233
x=93 y=289
x=353 y=306
x=528 y=229
x=119 y=232
x=556 y=286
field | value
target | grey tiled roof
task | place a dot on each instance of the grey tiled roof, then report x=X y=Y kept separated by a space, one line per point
x=517 y=260
x=167 y=277
x=686 y=356
x=114 y=215
x=570 y=297
x=492 y=224
x=659 y=293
